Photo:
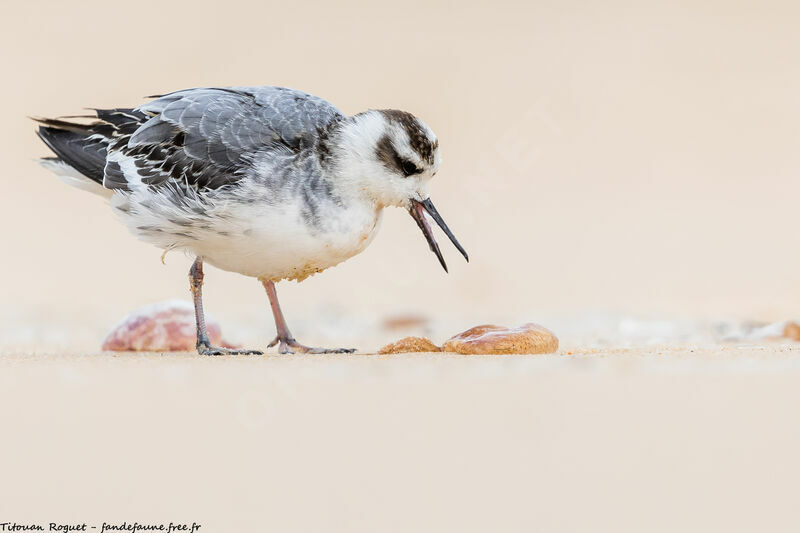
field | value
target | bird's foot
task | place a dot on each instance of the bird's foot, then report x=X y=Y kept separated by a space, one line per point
x=289 y=345
x=208 y=349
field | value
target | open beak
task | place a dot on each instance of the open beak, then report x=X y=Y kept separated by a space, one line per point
x=418 y=210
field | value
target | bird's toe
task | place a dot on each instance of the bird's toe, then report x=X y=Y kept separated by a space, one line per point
x=216 y=350
x=291 y=346
x=247 y=352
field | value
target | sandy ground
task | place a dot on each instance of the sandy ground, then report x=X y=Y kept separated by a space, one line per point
x=647 y=439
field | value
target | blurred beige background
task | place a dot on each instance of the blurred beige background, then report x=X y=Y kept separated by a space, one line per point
x=601 y=160
x=628 y=157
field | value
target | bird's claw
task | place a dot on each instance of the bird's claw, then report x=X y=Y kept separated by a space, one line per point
x=207 y=349
x=287 y=346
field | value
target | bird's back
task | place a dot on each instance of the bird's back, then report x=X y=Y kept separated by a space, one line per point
x=202 y=138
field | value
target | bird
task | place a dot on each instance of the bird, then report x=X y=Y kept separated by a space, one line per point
x=268 y=182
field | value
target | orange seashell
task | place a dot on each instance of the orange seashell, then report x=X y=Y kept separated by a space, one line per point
x=410 y=344
x=792 y=331
x=489 y=339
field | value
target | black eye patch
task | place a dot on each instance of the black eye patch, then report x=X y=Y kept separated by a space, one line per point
x=387 y=155
x=409 y=168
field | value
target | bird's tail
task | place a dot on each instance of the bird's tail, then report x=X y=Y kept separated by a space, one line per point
x=81 y=148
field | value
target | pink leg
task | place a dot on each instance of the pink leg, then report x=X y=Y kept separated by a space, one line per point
x=287 y=342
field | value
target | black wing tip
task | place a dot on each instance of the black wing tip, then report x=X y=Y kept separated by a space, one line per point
x=58 y=124
x=46 y=134
x=40 y=120
x=68 y=142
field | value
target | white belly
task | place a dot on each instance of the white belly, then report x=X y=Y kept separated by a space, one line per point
x=262 y=241
x=276 y=249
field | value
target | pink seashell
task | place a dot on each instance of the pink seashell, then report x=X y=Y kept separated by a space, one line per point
x=161 y=327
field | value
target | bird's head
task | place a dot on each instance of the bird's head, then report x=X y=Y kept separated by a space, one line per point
x=390 y=157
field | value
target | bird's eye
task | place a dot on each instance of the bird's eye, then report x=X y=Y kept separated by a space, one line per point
x=410 y=168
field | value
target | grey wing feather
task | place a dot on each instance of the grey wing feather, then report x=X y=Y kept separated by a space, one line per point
x=153 y=132
x=205 y=137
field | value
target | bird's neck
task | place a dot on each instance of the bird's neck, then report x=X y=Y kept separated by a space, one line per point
x=341 y=166
x=349 y=162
